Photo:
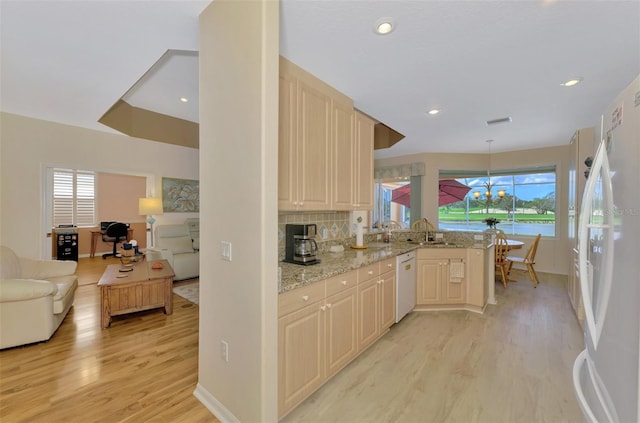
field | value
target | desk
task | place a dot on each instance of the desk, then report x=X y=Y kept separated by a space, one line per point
x=95 y=235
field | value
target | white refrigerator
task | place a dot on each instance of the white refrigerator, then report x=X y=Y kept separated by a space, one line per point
x=606 y=374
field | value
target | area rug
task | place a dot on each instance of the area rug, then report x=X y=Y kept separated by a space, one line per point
x=188 y=291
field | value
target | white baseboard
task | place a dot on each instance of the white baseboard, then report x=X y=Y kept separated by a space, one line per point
x=215 y=406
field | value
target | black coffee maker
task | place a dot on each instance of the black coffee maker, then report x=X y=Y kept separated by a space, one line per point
x=300 y=244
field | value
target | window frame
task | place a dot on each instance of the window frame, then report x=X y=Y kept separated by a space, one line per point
x=498 y=180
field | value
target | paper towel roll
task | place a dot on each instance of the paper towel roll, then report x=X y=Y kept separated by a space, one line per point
x=359 y=241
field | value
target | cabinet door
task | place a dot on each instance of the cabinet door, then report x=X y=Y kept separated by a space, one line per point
x=287 y=150
x=476 y=275
x=368 y=313
x=363 y=162
x=301 y=359
x=341 y=329
x=429 y=289
x=454 y=290
x=343 y=157
x=314 y=137
x=387 y=300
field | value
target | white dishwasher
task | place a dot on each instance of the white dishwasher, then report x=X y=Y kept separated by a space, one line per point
x=405 y=284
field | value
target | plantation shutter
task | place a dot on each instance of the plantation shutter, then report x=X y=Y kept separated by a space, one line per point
x=73 y=198
x=85 y=199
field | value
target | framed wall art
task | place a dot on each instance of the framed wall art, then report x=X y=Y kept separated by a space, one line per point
x=180 y=195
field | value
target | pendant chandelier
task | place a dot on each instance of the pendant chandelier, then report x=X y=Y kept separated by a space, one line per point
x=488 y=194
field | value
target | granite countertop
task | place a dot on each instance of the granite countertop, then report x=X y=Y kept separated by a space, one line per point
x=295 y=276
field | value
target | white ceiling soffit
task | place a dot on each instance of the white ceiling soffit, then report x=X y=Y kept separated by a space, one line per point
x=173 y=77
x=70 y=61
x=474 y=60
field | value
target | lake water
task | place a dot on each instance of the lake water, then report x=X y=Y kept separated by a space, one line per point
x=546 y=229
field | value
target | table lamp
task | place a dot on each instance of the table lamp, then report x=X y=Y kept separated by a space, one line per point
x=150 y=206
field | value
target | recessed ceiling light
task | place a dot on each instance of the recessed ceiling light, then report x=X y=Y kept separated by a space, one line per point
x=572 y=82
x=184 y=99
x=433 y=111
x=384 y=26
x=497 y=121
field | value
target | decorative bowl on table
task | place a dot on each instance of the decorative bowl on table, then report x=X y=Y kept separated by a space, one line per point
x=131 y=260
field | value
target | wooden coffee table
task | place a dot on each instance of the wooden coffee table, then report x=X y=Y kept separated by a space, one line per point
x=143 y=288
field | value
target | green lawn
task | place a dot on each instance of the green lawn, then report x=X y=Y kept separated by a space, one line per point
x=459 y=215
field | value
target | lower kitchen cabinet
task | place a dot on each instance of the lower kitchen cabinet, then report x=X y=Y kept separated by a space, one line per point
x=574 y=290
x=341 y=330
x=325 y=325
x=315 y=340
x=376 y=305
x=439 y=279
x=368 y=312
x=301 y=356
x=387 y=301
x=429 y=284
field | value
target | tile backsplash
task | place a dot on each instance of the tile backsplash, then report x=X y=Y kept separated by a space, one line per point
x=331 y=225
x=333 y=228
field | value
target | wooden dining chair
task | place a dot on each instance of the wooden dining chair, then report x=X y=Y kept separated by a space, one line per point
x=502 y=262
x=529 y=260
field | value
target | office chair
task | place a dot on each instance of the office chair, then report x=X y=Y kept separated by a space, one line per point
x=116 y=232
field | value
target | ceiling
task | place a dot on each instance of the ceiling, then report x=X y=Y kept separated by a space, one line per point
x=69 y=62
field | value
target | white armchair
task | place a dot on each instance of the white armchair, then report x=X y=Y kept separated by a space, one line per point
x=35 y=297
x=174 y=244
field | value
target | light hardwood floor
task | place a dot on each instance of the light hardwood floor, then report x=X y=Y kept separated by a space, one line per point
x=512 y=364
x=143 y=368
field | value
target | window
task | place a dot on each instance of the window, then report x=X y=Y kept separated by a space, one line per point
x=527 y=208
x=74 y=200
x=392 y=198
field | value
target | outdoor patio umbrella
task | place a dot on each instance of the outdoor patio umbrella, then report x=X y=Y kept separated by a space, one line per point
x=402 y=195
x=451 y=191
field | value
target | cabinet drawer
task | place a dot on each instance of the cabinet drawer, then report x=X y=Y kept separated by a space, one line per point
x=296 y=299
x=367 y=272
x=341 y=282
x=388 y=265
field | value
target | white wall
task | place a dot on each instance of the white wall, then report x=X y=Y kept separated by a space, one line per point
x=238 y=173
x=26 y=145
x=552 y=256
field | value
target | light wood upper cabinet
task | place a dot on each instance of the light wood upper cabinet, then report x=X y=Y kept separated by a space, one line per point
x=352 y=159
x=363 y=167
x=304 y=174
x=343 y=156
x=287 y=145
x=314 y=136
x=325 y=147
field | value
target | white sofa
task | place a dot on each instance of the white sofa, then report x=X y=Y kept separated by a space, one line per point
x=35 y=297
x=174 y=244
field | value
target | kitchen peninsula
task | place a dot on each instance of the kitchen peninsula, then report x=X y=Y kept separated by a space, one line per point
x=330 y=312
